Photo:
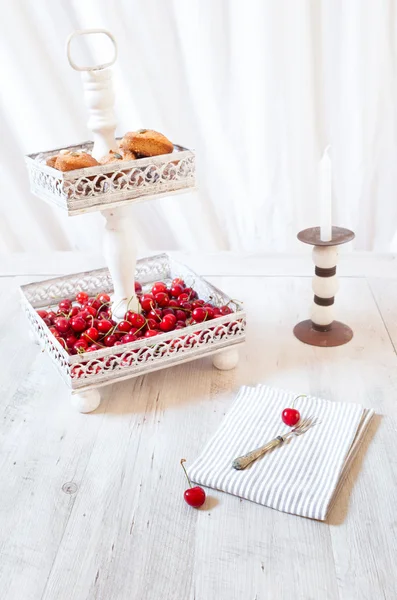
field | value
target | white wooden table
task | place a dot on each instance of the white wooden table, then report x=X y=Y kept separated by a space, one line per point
x=92 y=505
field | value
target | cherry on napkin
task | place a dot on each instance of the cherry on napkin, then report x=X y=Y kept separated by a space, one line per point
x=301 y=476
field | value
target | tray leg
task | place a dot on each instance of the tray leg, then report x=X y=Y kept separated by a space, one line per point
x=86 y=402
x=225 y=360
x=120 y=255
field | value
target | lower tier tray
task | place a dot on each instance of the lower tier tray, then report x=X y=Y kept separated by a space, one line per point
x=111 y=185
x=94 y=369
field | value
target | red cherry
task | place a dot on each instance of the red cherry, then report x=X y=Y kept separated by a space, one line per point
x=183 y=298
x=168 y=311
x=73 y=311
x=167 y=324
x=178 y=281
x=176 y=290
x=151 y=333
x=191 y=293
x=135 y=319
x=80 y=346
x=217 y=311
x=194 y=496
x=93 y=348
x=162 y=299
x=65 y=305
x=225 y=310
x=138 y=287
x=197 y=303
x=42 y=313
x=124 y=326
x=180 y=315
x=90 y=335
x=199 y=314
x=82 y=297
x=110 y=340
x=147 y=301
x=103 y=298
x=104 y=326
x=78 y=324
x=173 y=303
x=152 y=324
x=134 y=331
x=184 y=304
x=210 y=312
x=62 y=324
x=155 y=314
x=170 y=317
x=55 y=332
x=158 y=287
x=290 y=416
x=95 y=303
x=128 y=337
x=88 y=312
x=70 y=340
x=52 y=316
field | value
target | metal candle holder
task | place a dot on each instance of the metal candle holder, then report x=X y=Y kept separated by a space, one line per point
x=322 y=329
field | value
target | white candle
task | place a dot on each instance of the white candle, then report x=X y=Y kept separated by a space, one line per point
x=325 y=197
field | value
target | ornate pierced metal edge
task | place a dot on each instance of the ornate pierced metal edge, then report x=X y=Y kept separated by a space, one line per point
x=77 y=193
x=114 y=364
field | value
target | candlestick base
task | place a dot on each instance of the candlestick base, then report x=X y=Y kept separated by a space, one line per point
x=324 y=287
x=337 y=334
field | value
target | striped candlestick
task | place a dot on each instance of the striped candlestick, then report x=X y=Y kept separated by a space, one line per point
x=322 y=329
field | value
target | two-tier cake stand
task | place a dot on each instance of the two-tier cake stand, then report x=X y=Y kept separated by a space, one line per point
x=113 y=189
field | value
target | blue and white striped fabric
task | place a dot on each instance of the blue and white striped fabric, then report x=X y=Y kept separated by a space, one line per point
x=301 y=477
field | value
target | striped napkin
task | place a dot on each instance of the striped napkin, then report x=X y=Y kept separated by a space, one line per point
x=301 y=476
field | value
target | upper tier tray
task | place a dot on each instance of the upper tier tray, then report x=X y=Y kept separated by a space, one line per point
x=114 y=184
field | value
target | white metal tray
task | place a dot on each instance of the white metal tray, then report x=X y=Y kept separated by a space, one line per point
x=94 y=369
x=114 y=184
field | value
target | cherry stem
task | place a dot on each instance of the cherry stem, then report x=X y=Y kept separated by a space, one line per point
x=142 y=326
x=102 y=305
x=236 y=304
x=295 y=399
x=183 y=467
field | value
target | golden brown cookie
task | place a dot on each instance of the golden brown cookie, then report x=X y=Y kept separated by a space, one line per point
x=113 y=156
x=146 y=142
x=51 y=160
x=69 y=161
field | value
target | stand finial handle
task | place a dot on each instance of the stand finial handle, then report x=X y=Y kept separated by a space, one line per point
x=79 y=32
x=99 y=97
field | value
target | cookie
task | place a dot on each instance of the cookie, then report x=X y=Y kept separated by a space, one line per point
x=69 y=161
x=121 y=156
x=146 y=142
x=51 y=160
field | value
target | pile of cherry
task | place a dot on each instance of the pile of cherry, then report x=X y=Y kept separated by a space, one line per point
x=87 y=325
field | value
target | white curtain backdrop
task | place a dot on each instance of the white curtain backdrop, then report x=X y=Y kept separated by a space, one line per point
x=258 y=88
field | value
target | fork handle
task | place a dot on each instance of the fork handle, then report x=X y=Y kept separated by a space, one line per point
x=243 y=461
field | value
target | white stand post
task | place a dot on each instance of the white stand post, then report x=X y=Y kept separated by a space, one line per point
x=120 y=254
x=99 y=99
x=119 y=243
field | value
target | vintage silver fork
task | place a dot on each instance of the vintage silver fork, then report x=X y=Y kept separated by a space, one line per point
x=243 y=461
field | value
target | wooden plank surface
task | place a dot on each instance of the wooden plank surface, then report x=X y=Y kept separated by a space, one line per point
x=92 y=505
